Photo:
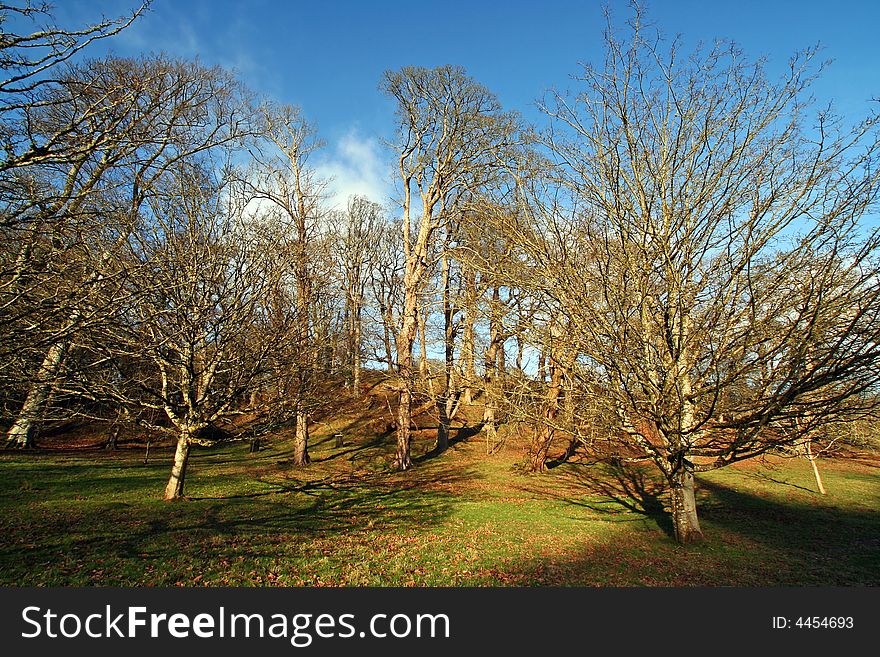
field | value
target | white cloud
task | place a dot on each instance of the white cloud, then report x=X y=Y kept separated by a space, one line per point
x=354 y=165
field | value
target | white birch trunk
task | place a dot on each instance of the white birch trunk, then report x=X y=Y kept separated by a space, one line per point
x=21 y=433
x=174 y=489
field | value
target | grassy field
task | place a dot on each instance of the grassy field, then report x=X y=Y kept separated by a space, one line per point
x=89 y=517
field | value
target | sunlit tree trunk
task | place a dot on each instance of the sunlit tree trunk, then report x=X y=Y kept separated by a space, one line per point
x=424 y=373
x=446 y=403
x=816 y=474
x=492 y=359
x=684 y=507
x=301 y=440
x=468 y=343
x=174 y=489
x=403 y=459
x=21 y=433
x=356 y=354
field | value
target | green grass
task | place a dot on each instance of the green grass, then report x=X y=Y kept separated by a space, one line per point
x=463 y=518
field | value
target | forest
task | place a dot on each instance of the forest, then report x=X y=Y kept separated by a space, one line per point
x=663 y=297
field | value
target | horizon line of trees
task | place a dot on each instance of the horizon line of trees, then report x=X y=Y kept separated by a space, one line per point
x=683 y=260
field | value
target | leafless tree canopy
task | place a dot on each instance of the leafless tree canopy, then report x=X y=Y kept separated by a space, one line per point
x=702 y=248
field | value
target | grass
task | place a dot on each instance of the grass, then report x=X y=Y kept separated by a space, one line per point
x=88 y=517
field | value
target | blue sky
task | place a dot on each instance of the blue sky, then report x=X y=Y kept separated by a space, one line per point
x=328 y=57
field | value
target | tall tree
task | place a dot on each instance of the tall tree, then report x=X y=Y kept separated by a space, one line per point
x=206 y=324
x=285 y=183
x=694 y=197
x=450 y=132
x=386 y=283
x=356 y=233
x=116 y=126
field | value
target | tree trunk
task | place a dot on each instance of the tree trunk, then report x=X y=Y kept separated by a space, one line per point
x=443 y=433
x=544 y=434
x=447 y=408
x=113 y=438
x=356 y=355
x=540 y=446
x=301 y=441
x=446 y=402
x=684 y=508
x=21 y=433
x=403 y=460
x=491 y=427
x=423 y=348
x=492 y=364
x=406 y=339
x=174 y=489
x=386 y=338
x=812 y=460
x=416 y=252
x=468 y=342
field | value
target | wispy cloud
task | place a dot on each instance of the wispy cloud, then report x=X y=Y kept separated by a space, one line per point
x=354 y=165
x=187 y=30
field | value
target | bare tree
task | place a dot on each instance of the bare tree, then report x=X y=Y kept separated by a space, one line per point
x=692 y=199
x=126 y=122
x=356 y=233
x=208 y=323
x=386 y=284
x=450 y=131
x=285 y=183
x=43 y=121
x=29 y=61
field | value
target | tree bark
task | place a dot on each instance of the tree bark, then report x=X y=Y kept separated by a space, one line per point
x=442 y=430
x=446 y=402
x=544 y=434
x=492 y=363
x=540 y=445
x=684 y=508
x=403 y=460
x=812 y=460
x=423 y=347
x=356 y=354
x=468 y=342
x=21 y=433
x=406 y=340
x=386 y=338
x=412 y=282
x=301 y=441
x=174 y=489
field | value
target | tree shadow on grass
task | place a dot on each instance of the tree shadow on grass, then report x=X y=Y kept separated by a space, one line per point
x=767 y=476
x=616 y=489
x=815 y=527
x=353 y=449
x=294 y=517
x=335 y=504
x=461 y=434
x=752 y=539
